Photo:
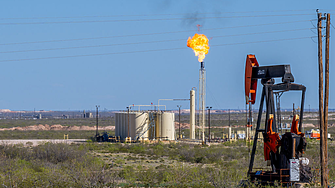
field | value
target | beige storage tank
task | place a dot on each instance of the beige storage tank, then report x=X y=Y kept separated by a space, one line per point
x=158 y=120
x=167 y=128
x=141 y=126
x=138 y=125
x=138 y=122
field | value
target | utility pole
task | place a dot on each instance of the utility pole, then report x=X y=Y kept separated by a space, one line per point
x=326 y=99
x=179 y=106
x=323 y=141
x=209 y=122
x=97 y=117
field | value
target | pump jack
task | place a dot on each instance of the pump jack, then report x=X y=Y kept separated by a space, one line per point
x=282 y=151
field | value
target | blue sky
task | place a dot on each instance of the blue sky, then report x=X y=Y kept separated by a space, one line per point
x=119 y=57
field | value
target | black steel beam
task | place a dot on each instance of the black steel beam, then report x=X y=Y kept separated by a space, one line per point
x=260 y=111
x=302 y=108
x=269 y=72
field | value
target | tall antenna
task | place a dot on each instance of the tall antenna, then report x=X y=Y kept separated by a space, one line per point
x=198 y=26
x=202 y=97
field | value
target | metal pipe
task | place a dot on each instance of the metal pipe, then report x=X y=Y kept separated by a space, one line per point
x=170 y=100
x=256 y=132
x=209 y=122
x=302 y=108
x=139 y=106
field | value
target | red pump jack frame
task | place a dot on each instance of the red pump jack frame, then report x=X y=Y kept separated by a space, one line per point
x=272 y=141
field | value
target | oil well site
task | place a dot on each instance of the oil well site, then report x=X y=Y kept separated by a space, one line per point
x=161 y=95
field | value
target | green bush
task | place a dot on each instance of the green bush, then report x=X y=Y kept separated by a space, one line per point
x=52 y=165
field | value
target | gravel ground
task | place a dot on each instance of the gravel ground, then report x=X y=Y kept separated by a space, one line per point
x=35 y=142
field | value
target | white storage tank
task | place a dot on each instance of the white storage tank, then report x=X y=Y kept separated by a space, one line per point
x=167 y=127
x=139 y=125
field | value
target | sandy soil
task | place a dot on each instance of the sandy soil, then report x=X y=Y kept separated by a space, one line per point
x=58 y=127
x=35 y=142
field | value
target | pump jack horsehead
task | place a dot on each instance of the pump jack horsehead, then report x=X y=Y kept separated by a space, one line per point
x=281 y=151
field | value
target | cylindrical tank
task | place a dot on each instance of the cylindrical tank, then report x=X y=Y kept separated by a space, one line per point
x=167 y=126
x=131 y=125
x=158 y=120
x=120 y=125
x=124 y=124
x=151 y=131
x=141 y=126
x=117 y=124
x=138 y=125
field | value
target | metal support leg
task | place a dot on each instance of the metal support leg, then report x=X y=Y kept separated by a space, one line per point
x=251 y=164
x=302 y=108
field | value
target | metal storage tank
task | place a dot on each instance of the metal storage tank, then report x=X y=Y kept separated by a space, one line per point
x=152 y=132
x=138 y=125
x=141 y=126
x=158 y=120
x=167 y=126
x=124 y=124
x=131 y=125
x=117 y=124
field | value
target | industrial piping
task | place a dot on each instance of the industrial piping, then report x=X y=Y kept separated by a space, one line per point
x=192 y=114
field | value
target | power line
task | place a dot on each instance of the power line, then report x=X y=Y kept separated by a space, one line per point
x=145 y=15
x=262 y=41
x=146 y=42
x=143 y=51
x=148 y=34
x=332 y=25
x=153 y=19
x=88 y=55
x=262 y=32
x=93 y=46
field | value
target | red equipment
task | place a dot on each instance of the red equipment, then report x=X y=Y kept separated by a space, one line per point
x=250 y=84
x=277 y=149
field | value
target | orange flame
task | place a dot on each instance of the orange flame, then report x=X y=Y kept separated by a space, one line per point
x=199 y=44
